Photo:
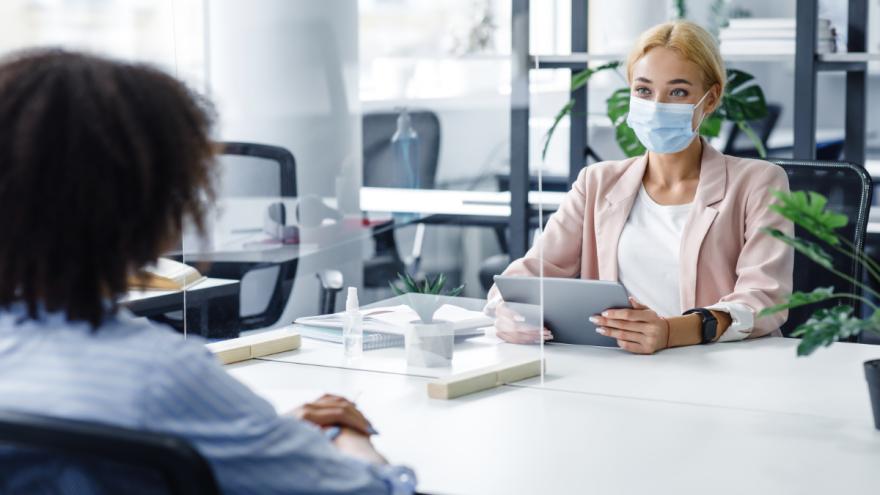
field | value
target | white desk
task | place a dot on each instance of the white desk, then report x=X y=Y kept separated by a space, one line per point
x=515 y=439
x=478 y=203
x=450 y=202
x=873 y=168
x=874 y=219
x=761 y=375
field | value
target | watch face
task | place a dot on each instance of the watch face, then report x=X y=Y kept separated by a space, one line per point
x=709 y=329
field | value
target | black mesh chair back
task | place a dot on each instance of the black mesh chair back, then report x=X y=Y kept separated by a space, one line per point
x=848 y=189
x=265 y=171
x=379 y=171
x=40 y=454
x=379 y=127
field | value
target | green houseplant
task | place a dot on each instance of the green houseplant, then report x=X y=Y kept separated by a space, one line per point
x=828 y=325
x=743 y=100
x=429 y=342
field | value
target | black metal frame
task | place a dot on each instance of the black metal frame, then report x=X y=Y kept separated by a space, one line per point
x=281 y=155
x=808 y=64
x=182 y=466
x=519 y=130
x=287 y=270
x=579 y=138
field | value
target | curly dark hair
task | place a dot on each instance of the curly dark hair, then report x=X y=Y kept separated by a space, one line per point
x=102 y=162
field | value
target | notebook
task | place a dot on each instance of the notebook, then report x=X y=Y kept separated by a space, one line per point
x=372 y=340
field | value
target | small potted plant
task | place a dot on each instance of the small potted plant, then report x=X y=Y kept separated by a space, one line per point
x=826 y=326
x=428 y=342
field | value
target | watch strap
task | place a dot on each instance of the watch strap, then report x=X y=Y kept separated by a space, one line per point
x=709 y=324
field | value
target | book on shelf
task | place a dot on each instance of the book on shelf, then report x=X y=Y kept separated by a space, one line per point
x=758 y=34
x=771 y=36
x=777 y=47
x=165 y=274
x=772 y=23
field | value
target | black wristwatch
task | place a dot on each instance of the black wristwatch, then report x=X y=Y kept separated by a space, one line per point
x=709 y=325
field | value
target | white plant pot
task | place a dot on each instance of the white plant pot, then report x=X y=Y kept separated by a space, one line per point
x=429 y=345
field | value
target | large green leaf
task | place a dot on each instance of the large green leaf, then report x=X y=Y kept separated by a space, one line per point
x=742 y=99
x=806 y=247
x=798 y=299
x=807 y=209
x=711 y=126
x=827 y=326
x=565 y=110
x=580 y=79
x=736 y=78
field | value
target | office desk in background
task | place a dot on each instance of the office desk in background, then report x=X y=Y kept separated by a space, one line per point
x=479 y=208
x=212 y=306
x=474 y=208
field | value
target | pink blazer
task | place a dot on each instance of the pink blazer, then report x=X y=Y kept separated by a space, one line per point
x=724 y=255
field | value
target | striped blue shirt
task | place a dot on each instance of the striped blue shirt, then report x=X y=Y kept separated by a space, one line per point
x=133 y=373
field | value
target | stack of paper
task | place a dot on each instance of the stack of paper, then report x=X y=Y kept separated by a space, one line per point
x=770 y=36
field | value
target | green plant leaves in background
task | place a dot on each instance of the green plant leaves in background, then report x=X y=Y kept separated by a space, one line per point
x=806 y=247
x=428 y=286
x=565 y=110
x=807 y=209
x=743 y=100
x=711 y=126
x=827 y=326
x=798 y=299
x=578 y=80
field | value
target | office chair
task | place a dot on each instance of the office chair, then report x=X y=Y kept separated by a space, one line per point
x=738 y=144
x=271 y=173
x=378 y=171
x=848 y=188
x=36 y=451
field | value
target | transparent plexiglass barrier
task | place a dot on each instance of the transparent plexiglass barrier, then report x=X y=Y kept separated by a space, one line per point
x=359 y=204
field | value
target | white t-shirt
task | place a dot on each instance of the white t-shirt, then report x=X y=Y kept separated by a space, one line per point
x=648 y=253
x=648 y=262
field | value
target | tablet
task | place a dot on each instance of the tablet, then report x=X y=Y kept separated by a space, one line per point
x=568 y=304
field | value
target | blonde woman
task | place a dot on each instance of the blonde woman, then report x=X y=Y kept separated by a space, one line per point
x=679 y=227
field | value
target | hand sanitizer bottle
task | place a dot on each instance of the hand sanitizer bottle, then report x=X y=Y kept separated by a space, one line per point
x=352 y=326
x=405 y=148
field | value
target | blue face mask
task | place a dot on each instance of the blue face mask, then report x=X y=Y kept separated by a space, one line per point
x=663 y=127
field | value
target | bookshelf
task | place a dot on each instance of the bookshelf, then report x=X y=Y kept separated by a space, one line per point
x=854 y=64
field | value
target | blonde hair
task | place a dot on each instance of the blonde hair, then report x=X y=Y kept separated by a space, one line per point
x=688 y=39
